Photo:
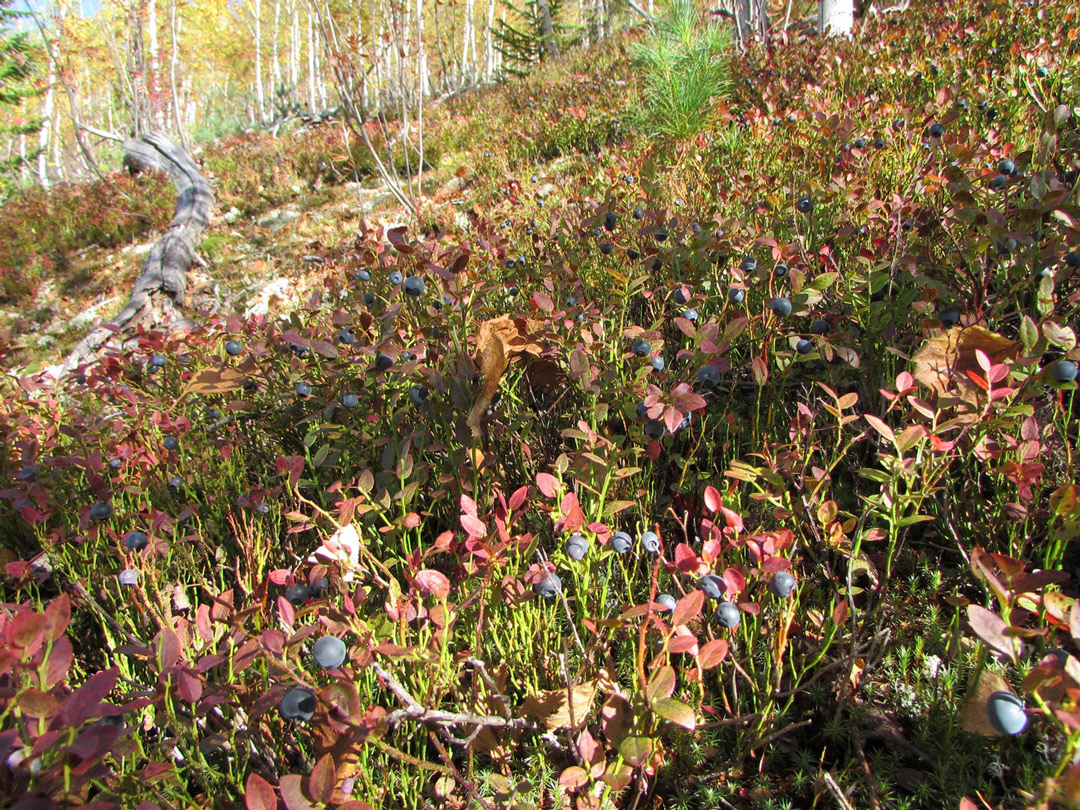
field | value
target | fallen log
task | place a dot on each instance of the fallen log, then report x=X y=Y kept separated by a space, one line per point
x=158 y=293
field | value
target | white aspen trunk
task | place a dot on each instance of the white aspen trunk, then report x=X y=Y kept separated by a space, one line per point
x=586 y=23
x=468 y=46
x=836 y=17
x=48 y=110
x=275 y=52
x=154 y=79
x=489 y=43
x=22 y=157
x=294 y=50
x=424 y=79
x=175 y=24
x=313 y=101
x=260 y=94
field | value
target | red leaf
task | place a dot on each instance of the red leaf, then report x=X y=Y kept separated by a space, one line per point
x=468 y=505
x=543 y=302
x=259 y=794
x=473 y=526
x=991 y=629
x=681 y=644
x=292 y=794
x=167 y=648
x=322 y=779
x=26 y=629
x=548 y=484
x=689 y=607
x=189 y=686
x=434 y=583
x=85 y=701
x=713 y=501
x=713 y=653
x=57 y=616
x=685 y=559
x=518 y=498
x=573 y=778
x=735 y=581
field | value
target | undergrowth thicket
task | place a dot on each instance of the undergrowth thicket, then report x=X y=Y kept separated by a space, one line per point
x=815 y=364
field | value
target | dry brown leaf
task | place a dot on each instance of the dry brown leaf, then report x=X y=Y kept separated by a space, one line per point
x=976 y=719
x=216 y=380
x=499 y=341
x=944 y=360
x=554 y=710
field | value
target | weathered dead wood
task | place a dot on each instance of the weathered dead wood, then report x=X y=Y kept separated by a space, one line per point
x=158 y=293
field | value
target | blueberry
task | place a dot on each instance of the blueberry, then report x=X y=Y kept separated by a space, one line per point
x=610 y=220
x=329 y=652
x=879 y=143
x=949 y=317
x=383 y=361
x=297 y=594
x=712 y=585
x=820 y=327
x=369 y=298
x=632 y=254
x=1006 y=714
x=780 y=270
x=708 y=377
x=116 y=463
x=782 y=585
x=679 y=296
x=1072 y=259
x=417 y=394
x=363 y=275
x=621 y=542
x=781 y=307
x=748 y=264
x=1063 y=371
x=414 y=286
x=135 y=541
x=898 y=123
x=101 y=511
x=650 y=542
x=684 y=423
x=298 y=704
x=804 y=205
x=349 y=400
x=577 y=547
x=642 y=410
x=668 y=601
x=299 y=351
x=549 y=587
x=735 y=295
x=509 y=264
x=176 y=482
x=27 y=474
x=605 y=248
x=657 y=263
x=657 y=363
x=571 y=301
x=318 y=586
x=641 y=347
x=998 y=181
x=513 y=291
x=690 y=315
x=233 y=347
x=727 y=615
x=171 y=443
x=129 y=576
x=158 y=361
x=654 y=429
x=1007 y=167
x=936 y=130
x=303 y=390
x=860 y=143
x=638 y=213
x=347 y=336
x=661 y=234
x=1042 y=72
x=396 y=277
x=804 y=346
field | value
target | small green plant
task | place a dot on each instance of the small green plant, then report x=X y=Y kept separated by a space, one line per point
x=684 y=63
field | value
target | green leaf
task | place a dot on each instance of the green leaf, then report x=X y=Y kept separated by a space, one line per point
x=824 y=281
x=1029 y=333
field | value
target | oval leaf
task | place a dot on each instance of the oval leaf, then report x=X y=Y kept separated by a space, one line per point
x=677 y=712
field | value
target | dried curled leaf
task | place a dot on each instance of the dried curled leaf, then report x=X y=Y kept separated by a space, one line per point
x=216 y=380
x=944 y=360
x=499 y=341
x=554 y=710
x=976 y=719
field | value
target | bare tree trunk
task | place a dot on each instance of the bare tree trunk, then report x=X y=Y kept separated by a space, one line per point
x=489 y=42
x=836 y=17
x=551 y=46
x=260 y=93
x=174 y=59
x=153 y=83
x=313 y=101
x=294 y=51
x=275 y=53
x=48 y=105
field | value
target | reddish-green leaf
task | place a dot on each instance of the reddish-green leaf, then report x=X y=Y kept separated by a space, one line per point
x=292 y=793
x=636 y=750
x=991 y=629
x=434 y=583
x=689 y=607
x=259 y=794
x=57 y=616
x=713 y=501
x=548 y=484
x=573 y=778
x=322 y=779
x=713 y=653
x=661 y=683
x=675 y=711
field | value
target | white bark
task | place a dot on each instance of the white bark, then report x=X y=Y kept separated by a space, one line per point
x=275 y=52
x=48 y=109
x=260 y=93
x=313 y=101
x=836 y=17
x=468 y=45
x=154 y=83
